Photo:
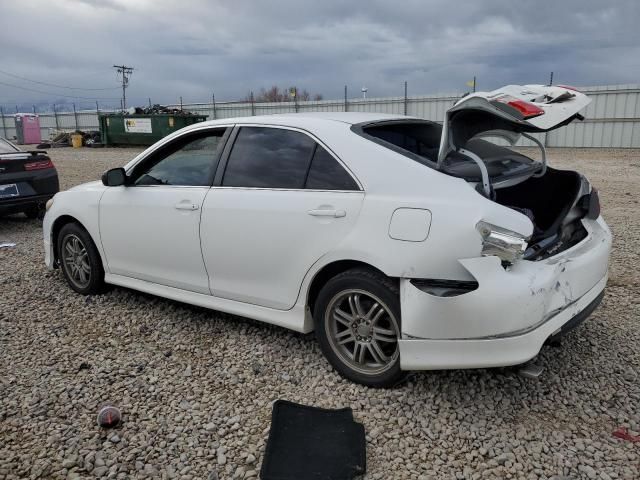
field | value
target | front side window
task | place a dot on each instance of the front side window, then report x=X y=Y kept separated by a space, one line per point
x=269 y=158
x=188 y=161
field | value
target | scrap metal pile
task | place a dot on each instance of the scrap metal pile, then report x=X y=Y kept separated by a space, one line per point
x=158 y=109
x=63 y=139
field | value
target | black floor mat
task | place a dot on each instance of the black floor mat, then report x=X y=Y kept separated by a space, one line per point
x=313 y=443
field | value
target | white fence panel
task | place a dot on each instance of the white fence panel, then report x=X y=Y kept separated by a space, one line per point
x=612 y=118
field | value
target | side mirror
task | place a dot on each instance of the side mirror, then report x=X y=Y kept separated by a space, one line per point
x=114 y=177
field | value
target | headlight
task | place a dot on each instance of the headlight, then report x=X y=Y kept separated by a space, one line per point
x=507 y=245
x=47 y=205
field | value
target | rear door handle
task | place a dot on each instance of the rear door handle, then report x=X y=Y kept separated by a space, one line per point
x=320 y=212
x=186 y=206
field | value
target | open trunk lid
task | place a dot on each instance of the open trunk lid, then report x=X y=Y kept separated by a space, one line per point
x=508 y=112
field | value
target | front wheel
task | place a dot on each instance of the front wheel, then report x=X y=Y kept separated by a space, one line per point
x=357 y=323
x=80 y=260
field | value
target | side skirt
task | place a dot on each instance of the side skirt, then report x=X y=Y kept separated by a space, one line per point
x=295 y=319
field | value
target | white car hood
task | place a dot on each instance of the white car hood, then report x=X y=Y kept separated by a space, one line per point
x=95 y=185
x=483 y=112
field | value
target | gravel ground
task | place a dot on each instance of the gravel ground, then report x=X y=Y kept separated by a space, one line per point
x=196 y=386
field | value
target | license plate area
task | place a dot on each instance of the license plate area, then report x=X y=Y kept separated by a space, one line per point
x=8 y=191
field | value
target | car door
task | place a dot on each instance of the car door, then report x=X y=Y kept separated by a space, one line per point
x=282 y=202
x=150 y=228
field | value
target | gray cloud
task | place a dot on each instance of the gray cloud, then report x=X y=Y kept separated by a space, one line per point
x=194 y=47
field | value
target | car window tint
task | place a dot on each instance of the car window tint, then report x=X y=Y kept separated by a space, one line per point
x=326 y=173
x=268 y=158
x=189 y=162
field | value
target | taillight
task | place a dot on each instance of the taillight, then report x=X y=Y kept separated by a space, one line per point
x=527 y=109
x=568 y=87
x=40 y=165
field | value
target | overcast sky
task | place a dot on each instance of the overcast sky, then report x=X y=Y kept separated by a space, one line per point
x=191 y=48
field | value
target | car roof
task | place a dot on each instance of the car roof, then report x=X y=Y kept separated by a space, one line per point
x=298 y=119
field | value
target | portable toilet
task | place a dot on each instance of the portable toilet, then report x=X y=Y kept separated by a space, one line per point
x=27 y=128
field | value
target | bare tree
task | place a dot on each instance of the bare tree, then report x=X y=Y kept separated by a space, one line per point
x=277 y=94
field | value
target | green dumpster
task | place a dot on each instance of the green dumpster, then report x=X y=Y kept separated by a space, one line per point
x=140 y=129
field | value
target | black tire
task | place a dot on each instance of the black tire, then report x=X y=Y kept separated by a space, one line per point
x=32 y=212
x=93 y=270
x=369 y=288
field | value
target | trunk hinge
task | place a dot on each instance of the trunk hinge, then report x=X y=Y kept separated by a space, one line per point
x=544 y=154
x=486 y=184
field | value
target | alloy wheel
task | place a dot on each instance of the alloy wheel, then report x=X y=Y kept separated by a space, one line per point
x=362 y=331
x=76 y=261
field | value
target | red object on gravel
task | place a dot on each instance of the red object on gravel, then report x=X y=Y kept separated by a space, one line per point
x=624 y=434
x=109 y=417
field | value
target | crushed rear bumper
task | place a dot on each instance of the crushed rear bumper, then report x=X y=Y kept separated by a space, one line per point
x=512 y=313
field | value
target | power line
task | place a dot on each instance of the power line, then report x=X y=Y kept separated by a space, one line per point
x=55 y=94
x=54 y=85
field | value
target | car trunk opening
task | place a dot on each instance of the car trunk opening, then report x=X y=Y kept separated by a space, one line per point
x=554 y=200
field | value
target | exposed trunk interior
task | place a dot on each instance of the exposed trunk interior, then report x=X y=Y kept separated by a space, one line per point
x=546 y=200
x=552 y=202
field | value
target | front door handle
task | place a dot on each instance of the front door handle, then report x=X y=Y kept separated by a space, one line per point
x=186 y=206
x=321 y=212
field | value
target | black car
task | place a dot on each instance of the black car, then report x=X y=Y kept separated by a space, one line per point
x=27 y=180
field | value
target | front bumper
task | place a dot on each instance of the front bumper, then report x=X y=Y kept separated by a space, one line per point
x=511 y=314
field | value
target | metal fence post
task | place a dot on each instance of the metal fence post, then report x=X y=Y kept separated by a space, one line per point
x=4 y=128
x=213 y=101
x=405 y=97
x=55 y=114
x=346 y=106
x=75 y=116
x=253 y=105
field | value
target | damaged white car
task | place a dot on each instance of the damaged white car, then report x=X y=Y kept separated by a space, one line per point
x=405 y=244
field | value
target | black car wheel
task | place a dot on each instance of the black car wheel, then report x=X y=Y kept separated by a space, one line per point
x=80 y=260
x=33 y=212
x=357 y=323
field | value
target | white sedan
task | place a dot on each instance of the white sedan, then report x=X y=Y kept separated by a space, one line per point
x=403 y=243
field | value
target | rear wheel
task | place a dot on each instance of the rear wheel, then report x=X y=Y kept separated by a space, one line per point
x=80 y=260
x=357 y=323
x=33 y=212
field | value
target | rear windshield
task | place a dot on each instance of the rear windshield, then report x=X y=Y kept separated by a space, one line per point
x=420 y=141
x=6 y=147
x=420 y=138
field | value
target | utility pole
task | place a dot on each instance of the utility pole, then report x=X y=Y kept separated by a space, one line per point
x=126 y=72
x=405 y=97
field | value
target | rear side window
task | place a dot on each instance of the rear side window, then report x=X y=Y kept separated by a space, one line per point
x=327 y=174
x=269 y=158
